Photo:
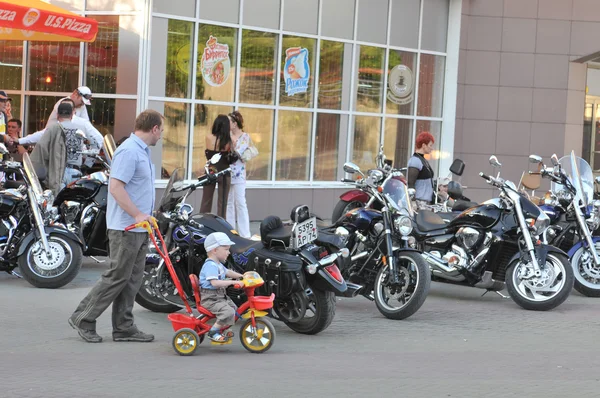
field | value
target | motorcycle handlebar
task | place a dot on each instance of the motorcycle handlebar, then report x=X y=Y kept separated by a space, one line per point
x=348 y=180
x=485 y=176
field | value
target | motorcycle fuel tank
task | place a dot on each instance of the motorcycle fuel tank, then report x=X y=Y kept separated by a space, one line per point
x=79 y=191
x=485 y=216
x=8 y=202
x=360 y=218
x=551 y=212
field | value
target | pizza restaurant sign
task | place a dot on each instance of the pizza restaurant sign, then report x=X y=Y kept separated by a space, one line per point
x=15 y=16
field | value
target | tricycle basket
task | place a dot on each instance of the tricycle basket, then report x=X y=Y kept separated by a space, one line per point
x=262 y=302
x=181 y=321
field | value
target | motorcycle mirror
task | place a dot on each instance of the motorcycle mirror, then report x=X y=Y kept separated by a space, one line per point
x=215 y=158
x=457 y=167
x=597 y=180
x=494 y=161
x=109 y=146
x=3 y=149
x=554 y=159
x=351 y=168
x=535 y=159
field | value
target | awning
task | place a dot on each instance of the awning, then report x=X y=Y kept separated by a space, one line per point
x=34 y=20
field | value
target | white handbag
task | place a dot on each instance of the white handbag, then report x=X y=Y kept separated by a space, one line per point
x=251 y=152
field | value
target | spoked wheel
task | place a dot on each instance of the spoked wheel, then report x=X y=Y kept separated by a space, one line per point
x=543 y=292
x=54 y=269
x=257 y=339
x=587 y=273
x=186 y=341
x=401 y=300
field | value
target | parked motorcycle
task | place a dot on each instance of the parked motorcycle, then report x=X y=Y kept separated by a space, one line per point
x=47 y=255
x=303 y=276
x=394 y=275
x=82 y=204
x=495 y=244
x=574 y=215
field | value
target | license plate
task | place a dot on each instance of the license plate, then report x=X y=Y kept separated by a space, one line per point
x=305 y=232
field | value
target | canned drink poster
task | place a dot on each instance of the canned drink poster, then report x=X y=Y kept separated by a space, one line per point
x=296 y=70
x=215 y=62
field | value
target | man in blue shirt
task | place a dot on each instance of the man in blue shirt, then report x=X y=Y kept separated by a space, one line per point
x=130 y=201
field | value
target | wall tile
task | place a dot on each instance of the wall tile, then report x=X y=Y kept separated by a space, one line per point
x=485 y=33
x=488 y=8
x=582 y=38
x=551 y=71
x=549 y=105
x=512 y=138
x=518 y=35
x=547 y=139
x=520 y=8
x=481 y=102
x=516 y=69
x=479 y=136
x=573 y=138
x=553 y=37
x=575 y=106
x=514 y=104
x=586 y=10
x=555 y=9
x=462 y=66
x=464 y=31
x=483 y=68
x=577 y=76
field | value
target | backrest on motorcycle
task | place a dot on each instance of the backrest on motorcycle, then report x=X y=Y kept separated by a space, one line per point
x=267 y=225
x=300 y=213
x=454 y=190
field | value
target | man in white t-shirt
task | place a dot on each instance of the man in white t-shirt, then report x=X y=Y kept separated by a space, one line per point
x=4 y=138
x=81 y=97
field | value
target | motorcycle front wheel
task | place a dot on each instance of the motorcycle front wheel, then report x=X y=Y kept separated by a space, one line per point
x=544 y=292
x=401 y=301
x=587 y=274
x=319 y=314
x=53 y=271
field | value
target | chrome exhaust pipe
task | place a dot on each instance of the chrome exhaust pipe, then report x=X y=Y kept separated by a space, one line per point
x=359 y=256
x=439 y=264
x=353 y=290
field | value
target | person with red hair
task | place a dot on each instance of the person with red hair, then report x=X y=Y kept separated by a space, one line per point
x=420 y=174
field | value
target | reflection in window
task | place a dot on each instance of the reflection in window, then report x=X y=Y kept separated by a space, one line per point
x=397 y=139
x=337 y=18
x=53 y=66
x=179 y=59
x=435 y=18
x=366 y=141
x=369 y=87
x=175 y=138
x=293 y=146
x=372 y=21
x=400 y=92
x=11 y=64
x=297 y=71
x=222 y=10
x=112 y=60
x=301 y=16
x=15 y=108
x=431 y=85
x=216 y=63
x=204 y=117
x=435 y=128
x=257 y=78
x=326 y=147
x=331 y=67
x=113 y=116
x=404 y=30
x=258 y=123
x=38 y=110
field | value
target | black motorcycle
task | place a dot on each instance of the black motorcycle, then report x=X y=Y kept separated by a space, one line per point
x=82 y=204
x=303 y=276
x=394 y=275
x=47 y=254
x=497 y=243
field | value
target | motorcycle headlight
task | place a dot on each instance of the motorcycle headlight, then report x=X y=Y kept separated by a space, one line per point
x=403 y=225
x=540 y=225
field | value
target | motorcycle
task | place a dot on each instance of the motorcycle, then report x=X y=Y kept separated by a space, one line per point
x=82 y=204
x=495 y=244
x=394 y=275
x=303 y=276
x=47 y=254
x=574 y=215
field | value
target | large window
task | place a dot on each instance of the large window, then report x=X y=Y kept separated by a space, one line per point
x=319 y=84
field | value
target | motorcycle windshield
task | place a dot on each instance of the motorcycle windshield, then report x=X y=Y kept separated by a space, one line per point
x=581 y=176
x=32 y=176
x=172 y=194
x=109 y=147
x=397 y=194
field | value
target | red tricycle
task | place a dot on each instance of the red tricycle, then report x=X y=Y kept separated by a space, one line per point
x=257 y=333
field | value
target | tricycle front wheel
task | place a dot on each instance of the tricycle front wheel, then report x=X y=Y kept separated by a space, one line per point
x=186 y=341
x=257 y=339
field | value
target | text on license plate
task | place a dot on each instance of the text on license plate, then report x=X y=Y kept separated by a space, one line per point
x=305 y=232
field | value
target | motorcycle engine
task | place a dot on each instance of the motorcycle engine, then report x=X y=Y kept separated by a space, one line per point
x=70 y=211
x=468 y=237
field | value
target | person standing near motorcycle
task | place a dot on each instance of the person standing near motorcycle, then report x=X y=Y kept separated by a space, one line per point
x=130 y=201
x=220 y=141
x=80 y=97
x=237 y=208
x=420 y=174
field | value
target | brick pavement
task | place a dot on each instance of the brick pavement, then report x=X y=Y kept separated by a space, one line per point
x=457 y=345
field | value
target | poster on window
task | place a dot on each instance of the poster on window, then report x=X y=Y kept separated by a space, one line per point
x=296 y=70
x=215 y=62
x=400 y=84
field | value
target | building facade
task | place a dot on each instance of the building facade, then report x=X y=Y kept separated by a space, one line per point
x=322 y=82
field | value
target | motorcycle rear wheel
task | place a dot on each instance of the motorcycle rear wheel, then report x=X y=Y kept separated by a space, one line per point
x=585 y=269
x=322 y=305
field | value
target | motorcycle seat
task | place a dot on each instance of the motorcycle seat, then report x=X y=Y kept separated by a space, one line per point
x=429 y=221
x=330 y=238
x=11 y=184
x=242 y=245
x=274 y=233
x=462 y=205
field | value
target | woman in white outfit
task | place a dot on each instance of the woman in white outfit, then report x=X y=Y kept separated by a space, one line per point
x=237 y=208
